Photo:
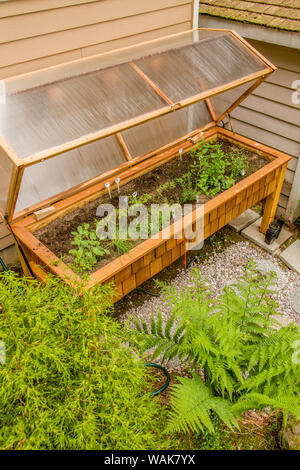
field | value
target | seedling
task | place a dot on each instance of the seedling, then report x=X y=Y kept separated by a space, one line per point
x=88 y=250
x=133 y=198
x=121 y=246
x=238 y=163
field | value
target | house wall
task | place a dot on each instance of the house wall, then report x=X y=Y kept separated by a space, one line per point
x=40 y=33
x=269 y=115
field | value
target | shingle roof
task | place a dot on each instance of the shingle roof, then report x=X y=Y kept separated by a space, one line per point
x=279 y=14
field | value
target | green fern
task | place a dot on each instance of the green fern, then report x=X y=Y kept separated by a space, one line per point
x=193 y=402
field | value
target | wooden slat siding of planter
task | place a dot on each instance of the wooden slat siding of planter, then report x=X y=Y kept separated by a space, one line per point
x=171 y=149
x=147 y=259
x=274 y=189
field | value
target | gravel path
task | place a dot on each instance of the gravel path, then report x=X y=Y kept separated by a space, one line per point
x=223 y=268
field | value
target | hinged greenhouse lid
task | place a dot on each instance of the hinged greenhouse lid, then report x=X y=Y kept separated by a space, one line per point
x=67 y=124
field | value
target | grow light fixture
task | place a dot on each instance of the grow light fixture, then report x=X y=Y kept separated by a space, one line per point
x=95 y=116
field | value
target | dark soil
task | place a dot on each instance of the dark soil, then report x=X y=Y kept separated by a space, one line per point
x=57 y=235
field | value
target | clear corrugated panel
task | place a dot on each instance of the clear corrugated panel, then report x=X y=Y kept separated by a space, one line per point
x=74 y=100
x=58 y=174
x=222 y=102
x=6 y=168
x=56 y=113
x=159 y=132
x=51 y=115
x=203 y=66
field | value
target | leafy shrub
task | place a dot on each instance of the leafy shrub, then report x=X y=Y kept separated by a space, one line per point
x=70 y=380
x=243 y=353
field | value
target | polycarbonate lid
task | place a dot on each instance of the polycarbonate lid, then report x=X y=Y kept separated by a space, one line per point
x=70 y=123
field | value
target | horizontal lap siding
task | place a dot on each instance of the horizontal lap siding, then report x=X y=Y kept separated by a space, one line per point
x=269 y=115
x=42 y=33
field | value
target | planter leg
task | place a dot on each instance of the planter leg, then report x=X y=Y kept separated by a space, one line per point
x=272 y=202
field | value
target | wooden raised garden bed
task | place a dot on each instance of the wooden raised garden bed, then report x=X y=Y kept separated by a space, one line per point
x=32 y=224
x=151 y=256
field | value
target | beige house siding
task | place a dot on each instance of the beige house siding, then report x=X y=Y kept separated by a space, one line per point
x=269 y=115
x=6 y=238
x=41 y=33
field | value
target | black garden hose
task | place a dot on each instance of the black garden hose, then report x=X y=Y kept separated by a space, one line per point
x=147 y=292
x=158 y=366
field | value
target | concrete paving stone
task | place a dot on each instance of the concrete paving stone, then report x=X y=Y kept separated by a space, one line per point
x=244 y=220
x=253 y=234
x=291 y=256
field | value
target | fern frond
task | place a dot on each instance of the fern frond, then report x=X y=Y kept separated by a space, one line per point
x=287 y=403
x=192 y=404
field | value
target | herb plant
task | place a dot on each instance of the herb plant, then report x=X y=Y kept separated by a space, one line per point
x=237 y=163
x=208 y=167
x=188 y=188
x=88 y=250
x=120 y=245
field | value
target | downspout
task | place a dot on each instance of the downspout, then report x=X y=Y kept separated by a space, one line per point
x=196 y=5
x=293 y=207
